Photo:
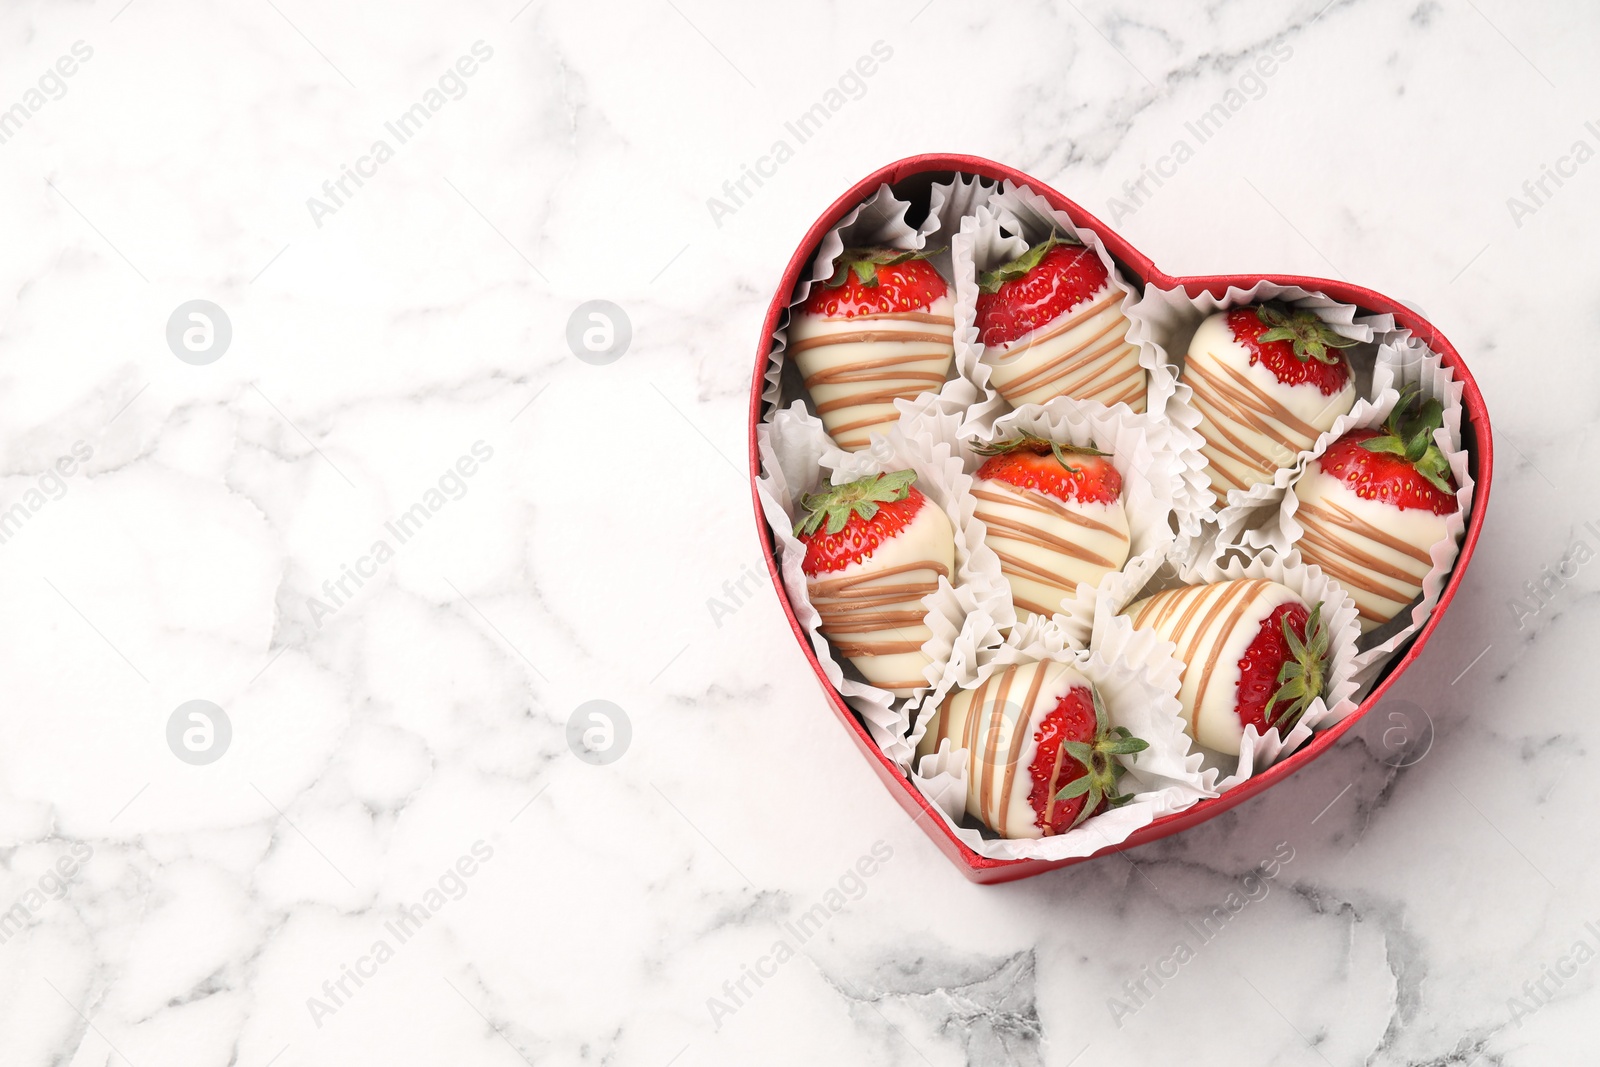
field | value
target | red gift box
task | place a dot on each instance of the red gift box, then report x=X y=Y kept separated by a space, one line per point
x=1476 y=439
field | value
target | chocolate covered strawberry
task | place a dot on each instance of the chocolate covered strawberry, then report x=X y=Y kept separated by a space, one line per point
x=1268 y=380
x=1374 y=504
x=1053 y=514
x=1041 y=749
x=879 y=330
x=874 y=548
x=1254 y=654
x=1051 y=324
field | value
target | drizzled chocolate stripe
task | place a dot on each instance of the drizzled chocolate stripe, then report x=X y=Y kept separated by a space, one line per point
x=805 y=344
x=1222 y=612
x=1102 y=369
x=1002 y=529
x=1238 y=599
x=1014 y=531
x=1132 y=374
x=1088 y=365
x=1019 y=733
x=908 y=358
x=1343 y=516
x=993 y=728
x=1267 y=405
x=1082 y=366
x=1040 y=502
x=1034 y=606
x=858 y=400
x=905 y=316
x=948 y=704
x=1085 y=351
x=1329 y=531
x=1070 y=321
x=868 y=604
x=1232 y=400
x=859 y=371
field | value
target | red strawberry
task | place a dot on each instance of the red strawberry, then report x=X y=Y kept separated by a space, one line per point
x=1051 y=324
x=874 y=548
x=1268 y=380
x=1374 y=504
x=1053 y=515
x=1400 y=464
x=877 y=281
x=1073 y=773
x=1039 y=743
x=882 y=329
x=1281 y=672
x=860 y=516
x=1044 y=283
x=1253 y=654
x=1293 y=344
x=1065 y=472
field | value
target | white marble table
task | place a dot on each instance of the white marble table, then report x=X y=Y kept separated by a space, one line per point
x=397 y=859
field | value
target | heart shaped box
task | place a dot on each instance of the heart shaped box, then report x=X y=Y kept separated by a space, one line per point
x=1475 y=433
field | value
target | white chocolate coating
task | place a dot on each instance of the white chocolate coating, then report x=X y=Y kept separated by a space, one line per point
x=856 y=367
x=1378 y=552
x=872 y=610
x=1047 y=546
x=1083 y=353
x=996 y=723
x=1252 y=423
x=1212 y=625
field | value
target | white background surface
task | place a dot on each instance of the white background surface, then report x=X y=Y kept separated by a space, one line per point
x=428 y=713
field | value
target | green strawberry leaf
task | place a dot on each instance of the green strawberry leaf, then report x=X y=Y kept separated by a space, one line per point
x=864 y=263
x=990 y=281
x=1302 y=678
x=1308 y=335
x=835 y=504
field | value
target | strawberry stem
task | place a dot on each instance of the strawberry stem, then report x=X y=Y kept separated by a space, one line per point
x=1100 y=769
x=1411 y=426
x=1303 y=676
x=990 y=281
x=864 y=263
x=835 y=504
x=1307 y=334
x=1039 y=446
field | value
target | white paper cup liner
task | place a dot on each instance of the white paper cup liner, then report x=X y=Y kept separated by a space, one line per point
x=798 y=457
x=1275 y=527
x=1171 y=317
x=1138 y=680
x=982 y=245
x=1141 y=448
x=879 y=220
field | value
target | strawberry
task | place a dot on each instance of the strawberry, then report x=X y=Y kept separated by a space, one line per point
x=1045 y=717
x=880 y=329
x=1053 y=514
x=1051 y=324
x=1038 y=287
x=1268 y=380
x=1254 y=655
x=1374 y=505
x=874 y=548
